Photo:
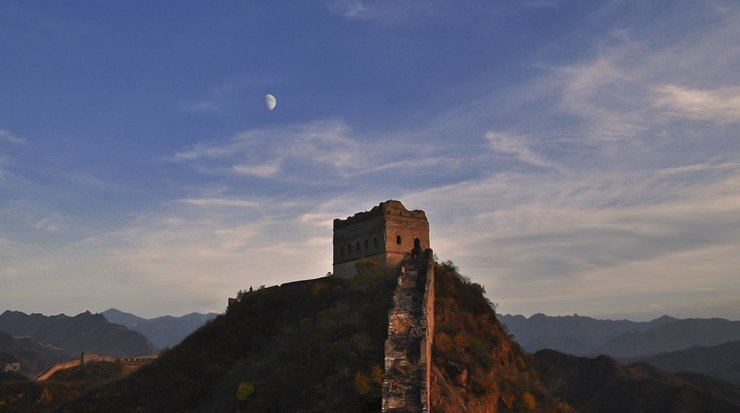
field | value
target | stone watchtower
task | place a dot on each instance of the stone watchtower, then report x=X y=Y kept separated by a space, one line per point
x=385 y=233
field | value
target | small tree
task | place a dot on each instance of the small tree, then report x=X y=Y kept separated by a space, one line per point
x=244 y=391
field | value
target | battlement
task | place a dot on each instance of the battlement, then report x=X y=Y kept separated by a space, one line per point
x=390 y=207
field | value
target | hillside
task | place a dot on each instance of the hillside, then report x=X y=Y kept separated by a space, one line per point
x=477 y=366
x=602 y=385
x=321 y=342
x=33 y=356
x=163 y=332
x=722 y=361
x=318 y=341
x=18 y=394
x=73 y=335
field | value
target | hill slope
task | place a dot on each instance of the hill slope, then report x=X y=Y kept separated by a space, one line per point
x=163 y=332
x=602 y=385
x=321 y=342
x=33 y=356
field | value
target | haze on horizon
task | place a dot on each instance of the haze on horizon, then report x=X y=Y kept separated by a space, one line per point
x=572 y=157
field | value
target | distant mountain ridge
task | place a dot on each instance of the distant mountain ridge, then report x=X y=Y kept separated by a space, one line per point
x=721 y=361
x=74 y=335
x=622 y=339
x=163 y=332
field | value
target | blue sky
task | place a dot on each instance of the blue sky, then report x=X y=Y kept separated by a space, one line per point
x=572 y=156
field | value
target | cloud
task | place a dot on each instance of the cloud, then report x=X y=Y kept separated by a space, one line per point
x=386 y=11
x=517 y=146
x=351 y=9
x=537 y=241
x=9 y=137
x=301 y=152
x=264 y=170
x=224 y=202
x=48 y=224
x=722 y=105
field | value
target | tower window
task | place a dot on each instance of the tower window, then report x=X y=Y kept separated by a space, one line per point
x=398 y=239
x=358 y=246
x=349 y=248
x=375 y=241
x=365 y=244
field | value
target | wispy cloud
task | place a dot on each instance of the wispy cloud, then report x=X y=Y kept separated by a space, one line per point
x=721 y=105
x=264 y=170
x=287 y=151
x=519 y=147
x=592 y=236
x=225 y=202
x=9 y=137
x=385 y=11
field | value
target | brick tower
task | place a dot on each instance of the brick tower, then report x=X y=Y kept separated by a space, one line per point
x=385 y=234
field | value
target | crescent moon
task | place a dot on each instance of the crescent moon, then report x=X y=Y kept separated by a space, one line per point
x=270 y=101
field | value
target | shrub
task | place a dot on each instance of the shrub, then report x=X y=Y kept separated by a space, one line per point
x=244 y=391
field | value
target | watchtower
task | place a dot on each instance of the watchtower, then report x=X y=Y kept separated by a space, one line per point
x=385 y=233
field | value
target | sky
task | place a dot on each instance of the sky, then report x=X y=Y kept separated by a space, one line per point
x=571 y=156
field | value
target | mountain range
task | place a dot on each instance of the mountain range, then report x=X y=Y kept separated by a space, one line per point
x=49 y=338
x=721 y=361
x=621 y=339
x=163 y=332
x=321 y=342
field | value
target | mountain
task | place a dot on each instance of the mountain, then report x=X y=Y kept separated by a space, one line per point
x=318 y=345
x=622 y=338
x=602 y=385
x=163 y=332
x=722 y=361
x=74 y=335
x=33 y=356
x=672 y=336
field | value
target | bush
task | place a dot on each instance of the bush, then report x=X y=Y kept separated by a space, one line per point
x=244 y=391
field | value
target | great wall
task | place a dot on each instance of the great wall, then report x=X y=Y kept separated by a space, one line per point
x=408 y=349
x=397 y=239
x=129 y=364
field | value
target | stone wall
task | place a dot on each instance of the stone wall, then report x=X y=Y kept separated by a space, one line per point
x=408 y=348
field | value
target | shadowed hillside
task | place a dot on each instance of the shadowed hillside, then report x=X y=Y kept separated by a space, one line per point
x=308 y=346
x=602 y=385
x=722 y=361
x=33 y=356
x=322 y=343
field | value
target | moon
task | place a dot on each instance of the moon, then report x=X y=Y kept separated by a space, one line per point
x=270 y=101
